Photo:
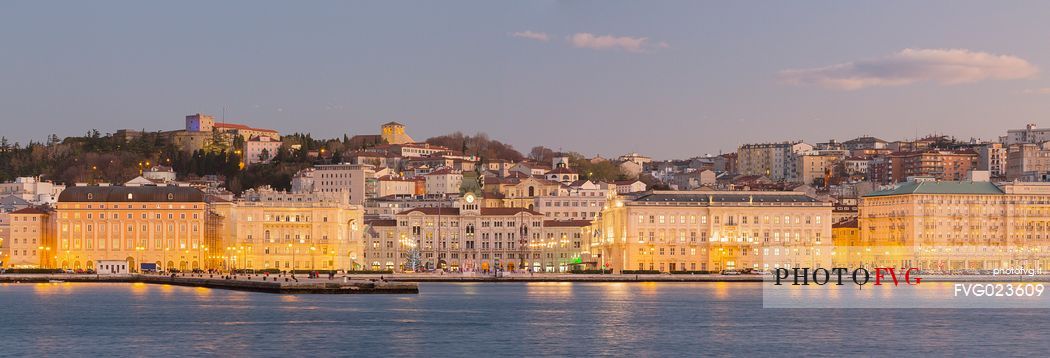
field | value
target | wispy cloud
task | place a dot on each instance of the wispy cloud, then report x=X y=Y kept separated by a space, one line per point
x=610 y=42
x=538 y=36
x=942 y=66
x=1044 y=90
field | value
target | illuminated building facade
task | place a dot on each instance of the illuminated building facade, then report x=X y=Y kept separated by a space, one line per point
x=671 y=231
x=944 y=226
x=161 y=225
x=472 y=237
x=30 y=242
x=274 y=230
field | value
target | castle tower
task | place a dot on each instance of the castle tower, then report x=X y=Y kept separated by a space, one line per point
x=394 y=133
x=199 y=123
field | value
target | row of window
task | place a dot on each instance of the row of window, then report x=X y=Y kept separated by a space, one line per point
x=129 y=216
x=130 y=228
x=130 y=244
x=130 y=206
x=728 y=220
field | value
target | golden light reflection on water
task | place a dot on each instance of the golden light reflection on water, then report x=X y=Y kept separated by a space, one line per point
x=722 y=290
x=202 y=293
x=470 y=289
x=53 y=288
x=649 y=288
x=616 y=303
x=549 y=290
x=139 y=290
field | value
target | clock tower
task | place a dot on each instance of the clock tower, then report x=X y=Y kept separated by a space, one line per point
x=469 y=204
x=470 y=191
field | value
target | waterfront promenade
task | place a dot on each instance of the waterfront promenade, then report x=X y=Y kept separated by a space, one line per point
x=408 y=282
x=255 y=283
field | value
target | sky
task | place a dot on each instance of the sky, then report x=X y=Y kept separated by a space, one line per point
x=669 y=79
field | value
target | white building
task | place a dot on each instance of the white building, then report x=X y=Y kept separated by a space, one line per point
x=112 y=267
x=1030 y=134
x=32 y=189
x=857 y=166
x=582 y=200
x=353 y=179
x=629 y=186
x=444 y=181
x=260 y=149
x=388 y=185
x=635 y=158
x=160 y=174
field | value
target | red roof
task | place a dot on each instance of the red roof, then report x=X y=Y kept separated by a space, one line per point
x=30 y=210
x=241 y=126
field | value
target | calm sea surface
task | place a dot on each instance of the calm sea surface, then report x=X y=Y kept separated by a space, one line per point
x=485 y=319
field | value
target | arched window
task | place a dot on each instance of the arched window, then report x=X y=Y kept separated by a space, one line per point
x=532 y=191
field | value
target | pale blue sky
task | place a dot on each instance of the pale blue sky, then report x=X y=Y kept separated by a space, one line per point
x=707 y=78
